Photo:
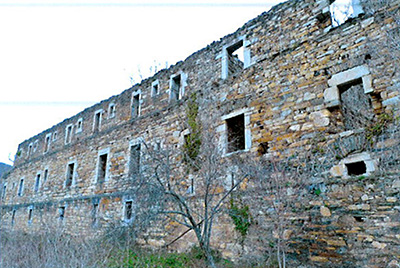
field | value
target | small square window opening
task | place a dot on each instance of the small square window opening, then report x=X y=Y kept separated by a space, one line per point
x=356 y=168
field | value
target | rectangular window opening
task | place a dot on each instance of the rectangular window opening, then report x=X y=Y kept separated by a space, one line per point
x=128 y=210
x=235 y=133
x=47 y=144
x=37 y=183
x=134 y=161
x=70 y=174
x=79 y=125
x=21 y=187
x=101 y=175
x=356 y=168
x=135 y=105
x=45 y=176
x=111 y=110
x=3 y=194
x=97 y=119
x=30 y=214
x=95 y=210
x=155 y=88
x=343 y=10
x=175 y=87
x=235 y=54
x=68 y=134
x=355 y=105
x=30 y=149
x=61 y=213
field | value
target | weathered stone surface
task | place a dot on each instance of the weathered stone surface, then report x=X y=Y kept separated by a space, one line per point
x=292 y=104
x=378 y=245
x=325 y=212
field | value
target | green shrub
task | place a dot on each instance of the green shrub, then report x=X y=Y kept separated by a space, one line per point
x=240 y=214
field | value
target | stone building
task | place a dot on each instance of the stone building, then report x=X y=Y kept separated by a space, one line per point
x=300 y=76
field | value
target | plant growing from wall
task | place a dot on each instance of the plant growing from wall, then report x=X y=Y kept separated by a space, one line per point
x=377 y=128
x=241 y=217
x=161 y=192
x=192 y=140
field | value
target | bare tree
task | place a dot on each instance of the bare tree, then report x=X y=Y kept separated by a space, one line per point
x=194 y=200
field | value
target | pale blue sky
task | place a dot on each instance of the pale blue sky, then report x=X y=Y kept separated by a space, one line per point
x=57 y=59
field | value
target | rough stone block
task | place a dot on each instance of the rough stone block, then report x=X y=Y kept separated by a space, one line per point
x=349 y=75
x=331 y=96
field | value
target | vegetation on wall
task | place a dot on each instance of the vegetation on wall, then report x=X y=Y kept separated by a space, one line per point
x=192 y=141
x=378 y=127
x=241 y=217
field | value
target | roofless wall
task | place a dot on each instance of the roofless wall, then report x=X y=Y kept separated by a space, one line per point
x=298 y=79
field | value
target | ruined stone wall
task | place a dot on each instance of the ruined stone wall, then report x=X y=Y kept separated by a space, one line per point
x=296 y=65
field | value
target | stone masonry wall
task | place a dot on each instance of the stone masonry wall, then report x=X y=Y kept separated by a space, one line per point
x=289 y=89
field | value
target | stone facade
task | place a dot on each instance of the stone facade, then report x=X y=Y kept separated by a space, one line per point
x=288 y=89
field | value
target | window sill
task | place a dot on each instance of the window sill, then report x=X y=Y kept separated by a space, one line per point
x=236 y=152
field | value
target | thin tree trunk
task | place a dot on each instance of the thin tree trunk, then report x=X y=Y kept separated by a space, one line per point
x=210 y=258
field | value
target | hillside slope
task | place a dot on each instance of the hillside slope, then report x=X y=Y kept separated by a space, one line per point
x=4 y=168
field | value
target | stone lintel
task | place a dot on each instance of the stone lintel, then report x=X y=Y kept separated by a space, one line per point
x=349 y=75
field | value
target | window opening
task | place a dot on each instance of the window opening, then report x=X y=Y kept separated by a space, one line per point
x=236 y=133
x=102 y=168
x=45 y=175
x=61 y=213
x=157 y=146
x=343 y=10
x=356 y=168
x=55 y=136
x=155 y=88
x=356 y=106
x=135 y=105
x=359 y=218
x=111 y=110
x=128 y=210
x=95 y=210
x=70 y=174
x=47 y=143
x=37 y=183
x=134 y=162
x=175 y=87
x=30 y=212
x=238 y=54
x=234 y=61
x=97 y=119
x=79 y=125
x=190 y=189
x=3 y=195
x=13 y=217
x=68 y=135
x=21 y=187
x=30 y=149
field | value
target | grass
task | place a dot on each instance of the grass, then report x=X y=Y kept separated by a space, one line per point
x=141 y=258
